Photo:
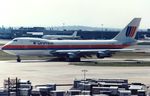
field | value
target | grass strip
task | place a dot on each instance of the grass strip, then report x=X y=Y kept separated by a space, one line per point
x=113 y=64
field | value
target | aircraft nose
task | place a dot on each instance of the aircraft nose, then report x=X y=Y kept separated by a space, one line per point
x=0 y=47
x=3 y=47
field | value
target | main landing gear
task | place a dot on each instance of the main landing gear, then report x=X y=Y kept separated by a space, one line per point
x=77 y=59
x=18 y=59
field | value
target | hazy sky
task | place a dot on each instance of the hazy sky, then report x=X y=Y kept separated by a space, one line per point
x=110 y=13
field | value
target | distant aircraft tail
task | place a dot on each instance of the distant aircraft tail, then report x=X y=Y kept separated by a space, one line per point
x=74 y=34
x=127 y=35
x=145 y=37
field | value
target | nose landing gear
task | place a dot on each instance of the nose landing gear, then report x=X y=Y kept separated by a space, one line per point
x=18 y=59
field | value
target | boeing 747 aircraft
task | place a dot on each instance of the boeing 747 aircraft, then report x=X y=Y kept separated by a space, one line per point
x=73 y=50
x=61 y=37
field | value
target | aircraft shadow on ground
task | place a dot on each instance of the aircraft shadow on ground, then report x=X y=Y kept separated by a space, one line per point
x=62 y=60
x=48 y=60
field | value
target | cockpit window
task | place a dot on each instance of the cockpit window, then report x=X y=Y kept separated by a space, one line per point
x=15 y=40
x=34 y=43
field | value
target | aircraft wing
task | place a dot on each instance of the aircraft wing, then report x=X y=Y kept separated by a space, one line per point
x=100 y=53
x=96 y=50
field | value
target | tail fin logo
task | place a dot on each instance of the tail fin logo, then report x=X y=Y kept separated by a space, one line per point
x=131 y=31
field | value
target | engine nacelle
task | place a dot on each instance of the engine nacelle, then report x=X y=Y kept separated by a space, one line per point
x=73 y=57
x=104 y=54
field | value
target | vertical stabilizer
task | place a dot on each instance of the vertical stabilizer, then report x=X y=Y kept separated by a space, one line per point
x=74 y=34
x=129 y=32
x=146 y=38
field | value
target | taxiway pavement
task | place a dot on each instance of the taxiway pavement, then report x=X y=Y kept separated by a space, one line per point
x=42 y=72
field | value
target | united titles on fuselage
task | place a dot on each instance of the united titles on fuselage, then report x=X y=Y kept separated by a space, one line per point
x=35 y=42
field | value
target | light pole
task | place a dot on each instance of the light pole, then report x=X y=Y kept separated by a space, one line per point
x=84 y=73
x=102 y=26
x=102 y=31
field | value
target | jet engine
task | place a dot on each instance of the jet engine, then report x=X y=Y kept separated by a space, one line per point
x=103 y=54
x=73 y=57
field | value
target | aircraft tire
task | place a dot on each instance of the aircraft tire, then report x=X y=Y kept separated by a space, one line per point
x=18 y=59
x=74 y=59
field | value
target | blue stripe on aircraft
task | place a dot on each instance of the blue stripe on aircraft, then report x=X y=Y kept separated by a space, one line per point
x=128 y=31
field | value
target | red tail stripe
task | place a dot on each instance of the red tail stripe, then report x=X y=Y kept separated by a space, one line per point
x=133 y=29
